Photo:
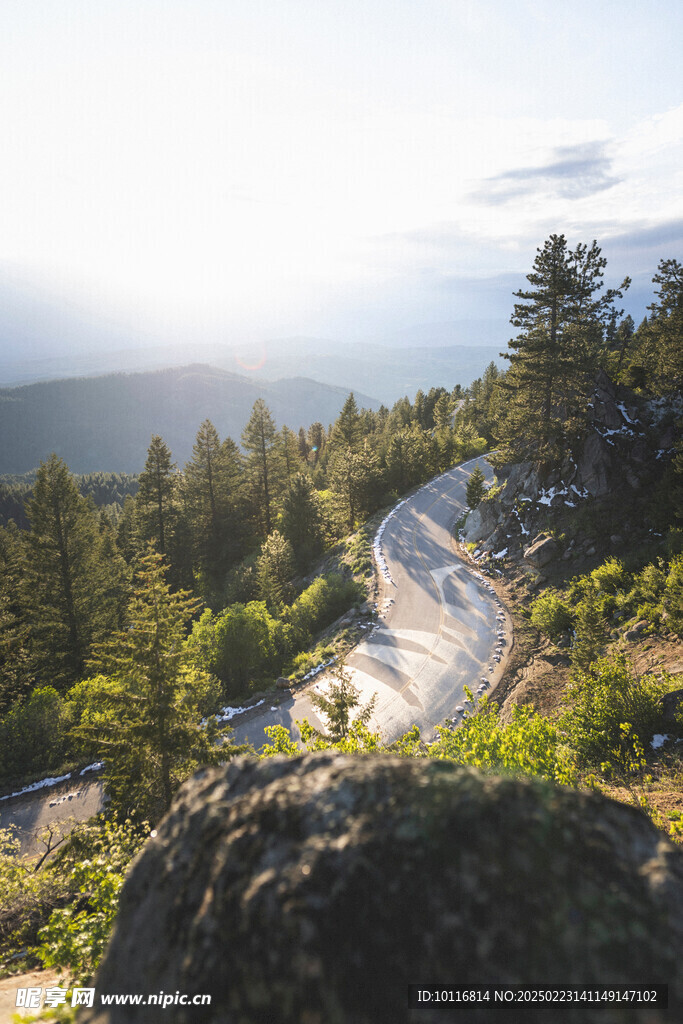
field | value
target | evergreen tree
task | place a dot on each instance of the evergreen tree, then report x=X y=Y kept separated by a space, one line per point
x=316 y=441
x=339 y=703
x=275 y=569
x=346 y=432
x=476 y=487
x=409 y=458
x=203 y=475
x=289 y=454
x=357 y=478
x=623 y=341
x=564 y=325
x=444 y=433
x=15 y=668
x=212 y=496
x=590 y=630
x=302 y=520
x=154 y=500
x=660 y=337
x=419 y=409
x=259 y=439
x=74 y=578
x=150 y=731
x=304 y=446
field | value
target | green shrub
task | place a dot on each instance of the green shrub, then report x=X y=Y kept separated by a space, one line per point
x=529 y=744
x=673 y=594
x=94 y=864
x=604 y=701
x=610 y=577
x=550 y=614
x=33 y=736
x=325 y=600
x=240 y=645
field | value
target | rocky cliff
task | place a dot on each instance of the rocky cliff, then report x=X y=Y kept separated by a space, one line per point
x=628 y=443
x=315 y=890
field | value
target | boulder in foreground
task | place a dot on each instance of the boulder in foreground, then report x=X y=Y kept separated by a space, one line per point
x=315 y=890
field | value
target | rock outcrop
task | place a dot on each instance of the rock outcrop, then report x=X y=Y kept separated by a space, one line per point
x=627 y=444
x=315 y=890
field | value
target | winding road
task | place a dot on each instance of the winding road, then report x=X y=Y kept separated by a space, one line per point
x=439 y=627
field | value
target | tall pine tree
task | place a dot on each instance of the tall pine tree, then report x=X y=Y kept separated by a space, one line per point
x=259 y=439
x=154 y=500
x=564 y=326
x=74 y=578
x=212 y=491
x=150 y=729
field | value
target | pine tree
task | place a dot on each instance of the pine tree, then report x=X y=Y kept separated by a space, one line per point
x=339 y=703
x=302 y=520
x=290 y=461
x=409 y=458
x=304 y=446
x=346 y=432
x=15 y=668
x=564 y=325
x=74 y=578
x=660 y=337
x=275 y=569
x=150 y=731
x=358 y=479
x=259 y=439
x=154 y=500
x=476 y=487
x=316 y=441
x=590 y=630
x=212 y=486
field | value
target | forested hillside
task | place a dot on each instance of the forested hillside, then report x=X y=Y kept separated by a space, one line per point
x=103 y=424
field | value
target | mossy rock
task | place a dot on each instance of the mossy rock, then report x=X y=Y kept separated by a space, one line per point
x=315 y=890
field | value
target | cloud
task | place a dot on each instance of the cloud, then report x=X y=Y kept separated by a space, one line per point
x=657 y=236
x=574 y=173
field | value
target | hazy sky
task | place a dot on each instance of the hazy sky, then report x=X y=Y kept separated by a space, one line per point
x=333 y=167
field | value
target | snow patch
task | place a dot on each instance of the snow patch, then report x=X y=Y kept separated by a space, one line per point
x=225 y=714
x=43 y=784
x=321 y=667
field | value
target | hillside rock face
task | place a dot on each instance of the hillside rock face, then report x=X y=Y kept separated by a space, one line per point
x=315 y=890
x=627 y=444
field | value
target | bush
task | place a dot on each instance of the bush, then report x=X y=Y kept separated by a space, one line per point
x=610 y=577
x=605 y=700
x=529 y=744
x=673 y=594
x=241 y=645
x=550 y=614
x=75 y=936
x=325 y=600
x=33 y=736
x=647 y=591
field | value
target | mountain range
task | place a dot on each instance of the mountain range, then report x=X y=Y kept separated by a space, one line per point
x=106 y=423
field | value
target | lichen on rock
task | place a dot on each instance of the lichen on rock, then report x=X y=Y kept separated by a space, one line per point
x=316 y=889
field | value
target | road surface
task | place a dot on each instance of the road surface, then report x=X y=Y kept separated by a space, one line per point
x=438 y=630
x=72 y=800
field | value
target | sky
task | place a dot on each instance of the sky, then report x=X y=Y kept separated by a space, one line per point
x=348 y=169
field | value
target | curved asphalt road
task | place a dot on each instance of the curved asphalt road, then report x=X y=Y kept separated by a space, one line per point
x=438 y=627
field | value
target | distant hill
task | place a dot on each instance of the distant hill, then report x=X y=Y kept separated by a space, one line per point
x=422 y=357
x=105 y=423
